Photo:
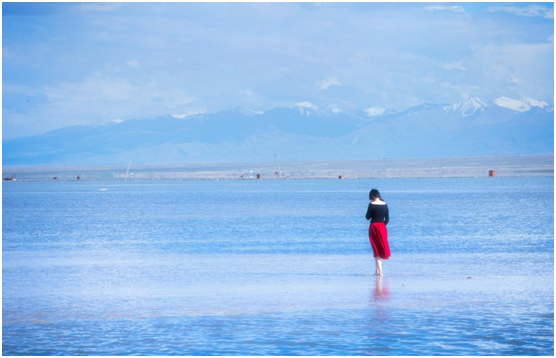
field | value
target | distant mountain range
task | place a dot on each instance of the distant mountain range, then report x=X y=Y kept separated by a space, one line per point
x=475 y=127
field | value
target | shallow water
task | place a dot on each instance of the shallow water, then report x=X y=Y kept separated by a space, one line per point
x=278 y=268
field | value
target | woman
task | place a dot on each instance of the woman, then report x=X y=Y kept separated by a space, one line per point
x=379 y=216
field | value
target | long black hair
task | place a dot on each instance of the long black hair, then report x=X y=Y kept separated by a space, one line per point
x=374 y=194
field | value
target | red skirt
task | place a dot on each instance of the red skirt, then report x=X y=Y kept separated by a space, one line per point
x=378 y=236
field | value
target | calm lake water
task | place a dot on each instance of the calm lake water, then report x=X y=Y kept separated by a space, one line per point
x=277 y=268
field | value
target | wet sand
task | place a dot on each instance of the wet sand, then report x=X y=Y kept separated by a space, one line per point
x=233 y=304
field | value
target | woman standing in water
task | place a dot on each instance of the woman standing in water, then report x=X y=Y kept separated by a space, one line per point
x=379 y=216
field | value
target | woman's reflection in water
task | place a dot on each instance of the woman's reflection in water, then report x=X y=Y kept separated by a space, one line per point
x=379 y=296
x=379 y=325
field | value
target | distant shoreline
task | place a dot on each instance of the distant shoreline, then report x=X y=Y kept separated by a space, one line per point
x=297 y=179
x=397 y=168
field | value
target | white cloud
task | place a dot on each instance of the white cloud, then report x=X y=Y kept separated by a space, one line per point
x=23 y=90
x=520 y=69
x=513 y=79
x=454 y=8
x=102 y=89
x=531 y=10
x=247 y=93
x=115 y=121
x=375 y=111
x=306 y=105
x=187 y=114
x=333 y=107
x=92 y=89
x=551 y=38
x=134 y=63
x=465 y=91
x=100 y=7
x=324 y=84
x=458 y=65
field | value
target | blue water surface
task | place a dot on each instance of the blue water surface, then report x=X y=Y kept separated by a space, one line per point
x=277 y=268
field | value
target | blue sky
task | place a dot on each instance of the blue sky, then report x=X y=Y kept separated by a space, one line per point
x=90 y=63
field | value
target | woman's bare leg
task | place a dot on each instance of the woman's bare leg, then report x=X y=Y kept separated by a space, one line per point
x=378 y=262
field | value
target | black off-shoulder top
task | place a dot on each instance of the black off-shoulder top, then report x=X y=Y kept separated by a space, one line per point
x=378 y=213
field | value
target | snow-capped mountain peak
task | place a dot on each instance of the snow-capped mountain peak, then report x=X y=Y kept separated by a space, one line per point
x=306 y=105
x=466 y=108
x=306 y=108
x=533 y=102
x=247 y=111
x=375 y=111
x=513 y=104
x=187 y=114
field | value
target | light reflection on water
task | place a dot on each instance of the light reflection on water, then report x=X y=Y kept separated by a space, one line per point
x=277 y=268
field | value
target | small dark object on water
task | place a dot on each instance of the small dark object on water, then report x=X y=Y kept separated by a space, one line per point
x=341 y=177
x=469 y=277
x=492 y=173
x=12 y=178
